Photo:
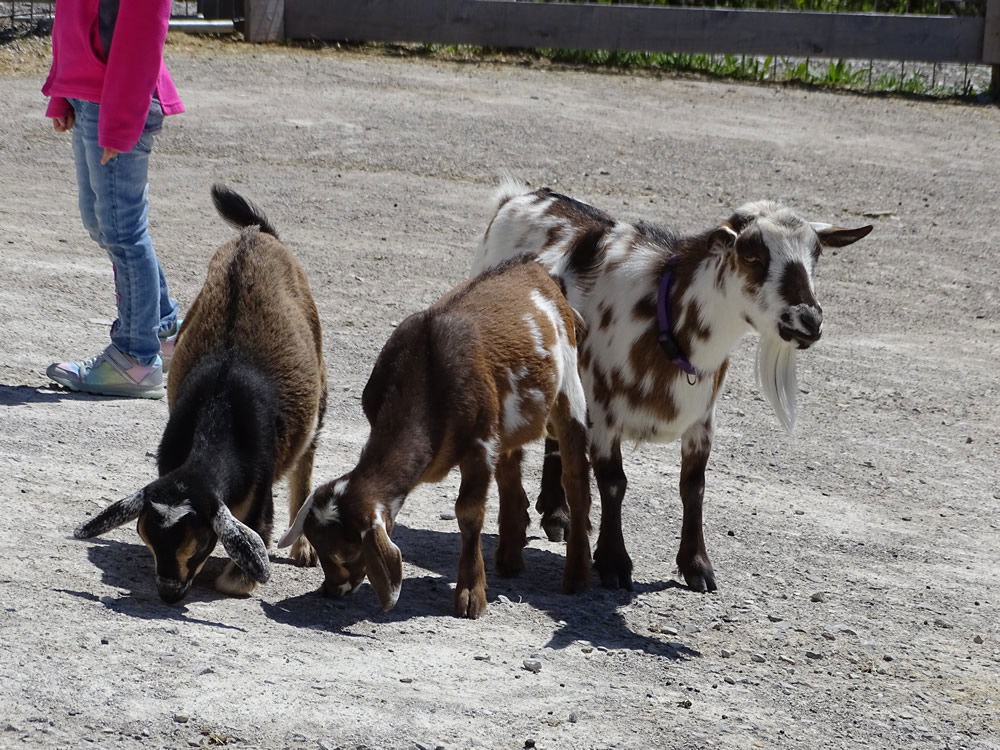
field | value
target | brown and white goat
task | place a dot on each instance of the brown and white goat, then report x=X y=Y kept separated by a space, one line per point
x=662 y=314
x=465 y=383
x=247 y=393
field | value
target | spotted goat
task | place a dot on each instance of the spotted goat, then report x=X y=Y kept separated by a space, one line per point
x=662 y=313
x=247 y=393
x=487 y=368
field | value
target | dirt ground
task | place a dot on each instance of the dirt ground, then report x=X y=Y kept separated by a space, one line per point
x=857 y=560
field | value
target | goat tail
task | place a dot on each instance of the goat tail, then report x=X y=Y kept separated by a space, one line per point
x=238 y=211
x=508 y=187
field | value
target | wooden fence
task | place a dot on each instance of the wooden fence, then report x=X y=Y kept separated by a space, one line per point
x=587 y=26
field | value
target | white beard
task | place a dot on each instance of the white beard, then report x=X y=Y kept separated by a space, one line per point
x=776 y=377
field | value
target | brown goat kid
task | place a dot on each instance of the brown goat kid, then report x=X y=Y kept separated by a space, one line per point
x=247 y=393
x=465 y=383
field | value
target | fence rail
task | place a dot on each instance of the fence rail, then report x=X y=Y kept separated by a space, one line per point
x=590 y=26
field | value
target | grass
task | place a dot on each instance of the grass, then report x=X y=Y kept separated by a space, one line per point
x=860 y=76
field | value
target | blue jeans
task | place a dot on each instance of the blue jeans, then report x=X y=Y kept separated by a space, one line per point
x=114 y=206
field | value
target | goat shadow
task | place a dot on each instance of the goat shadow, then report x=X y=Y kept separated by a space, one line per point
x=593 y=616
x=130 y=567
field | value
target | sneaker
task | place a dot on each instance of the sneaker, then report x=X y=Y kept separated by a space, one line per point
x=168 y=340
x=110 y=373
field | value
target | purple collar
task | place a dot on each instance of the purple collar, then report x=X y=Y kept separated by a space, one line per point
x=666 y=337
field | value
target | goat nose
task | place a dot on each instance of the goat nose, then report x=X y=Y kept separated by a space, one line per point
x=811 y=321
x=170 y=590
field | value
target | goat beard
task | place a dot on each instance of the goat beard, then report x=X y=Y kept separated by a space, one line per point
x=776 y=377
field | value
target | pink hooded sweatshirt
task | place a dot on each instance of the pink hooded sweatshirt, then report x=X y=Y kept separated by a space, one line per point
x=111 y=52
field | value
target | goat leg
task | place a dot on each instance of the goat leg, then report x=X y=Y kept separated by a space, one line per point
x=611 y=557
x=470 y=508
x=551 y=501
x=513 y=514
x=692 y=557
x=576 y=485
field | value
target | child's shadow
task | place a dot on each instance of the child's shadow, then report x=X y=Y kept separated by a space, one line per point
x=591 y=616
x=24 y=395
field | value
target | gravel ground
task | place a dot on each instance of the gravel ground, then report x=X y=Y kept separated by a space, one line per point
x=857 y=559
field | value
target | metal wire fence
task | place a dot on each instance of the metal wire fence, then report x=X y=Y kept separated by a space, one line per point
x=23 y=18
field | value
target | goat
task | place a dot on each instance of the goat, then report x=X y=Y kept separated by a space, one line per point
x=464 y=383
x=247 y=394
x=662 y=314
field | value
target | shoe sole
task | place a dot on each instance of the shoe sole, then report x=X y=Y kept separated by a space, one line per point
x=151 y=393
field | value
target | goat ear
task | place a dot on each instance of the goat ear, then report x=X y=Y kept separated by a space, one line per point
x=243 y=545
x=831 y=236
x=125 y=510
x=384 y=564
x=295 y=530
x=723 y=238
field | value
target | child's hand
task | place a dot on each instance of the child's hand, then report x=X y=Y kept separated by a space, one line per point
x=109 y=154
x=62 y=124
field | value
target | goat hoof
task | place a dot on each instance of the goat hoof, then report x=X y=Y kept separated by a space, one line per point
x=614 y=575
x=509 y=566
x=470 y=603
x=576 y=584
x=699 y=575
x=234 y=582
x=303 y=554
x=556 y=524
x=554 y=530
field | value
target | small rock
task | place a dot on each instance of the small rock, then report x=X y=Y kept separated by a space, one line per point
x=907 y=518
x=814 y=655
x=182 y=718
x=668 y=631
x=786 y=659
x=586 y=649
x=775 y=618
x=406 y=680
x=104 y=641
x=481 y=657
x=533 y=665
x=819 y=596
x=574 y=717
x=978 y=639
x=759 y=658
x=11 y=728
x=887 y=658
x=726 y=653
x=503 y=599
x=324 y=745
x=731 y=533
x=447 y=515
x=529 y=743
x=207 y=670
x=686 y=703
x=729 y=680
x=943 y=623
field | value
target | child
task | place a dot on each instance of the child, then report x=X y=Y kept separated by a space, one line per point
x=108 y=84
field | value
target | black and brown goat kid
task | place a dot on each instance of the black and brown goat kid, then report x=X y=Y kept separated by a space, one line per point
x=247 y=393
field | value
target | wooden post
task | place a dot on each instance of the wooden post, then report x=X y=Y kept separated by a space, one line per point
x=991 y=46
x=265 y=21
